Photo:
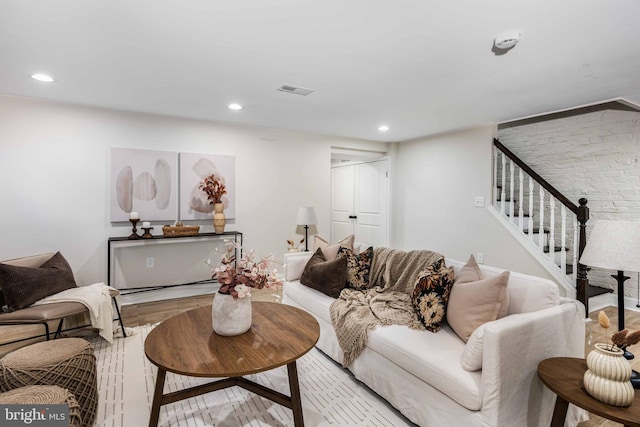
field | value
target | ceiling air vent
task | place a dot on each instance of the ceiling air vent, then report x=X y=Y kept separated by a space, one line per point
x=295 y=89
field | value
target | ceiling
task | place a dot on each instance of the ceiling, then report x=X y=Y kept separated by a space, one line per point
x=421 y=67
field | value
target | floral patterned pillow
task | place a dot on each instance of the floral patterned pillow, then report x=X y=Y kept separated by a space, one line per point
x=358 y=267
x=431 y=294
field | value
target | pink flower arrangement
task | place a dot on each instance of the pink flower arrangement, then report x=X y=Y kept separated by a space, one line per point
x=214 y=187
x=249 y=273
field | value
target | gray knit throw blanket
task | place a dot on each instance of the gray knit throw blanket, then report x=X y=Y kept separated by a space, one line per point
x=392 y=277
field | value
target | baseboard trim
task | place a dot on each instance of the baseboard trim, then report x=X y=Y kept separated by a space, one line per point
x=605 y=300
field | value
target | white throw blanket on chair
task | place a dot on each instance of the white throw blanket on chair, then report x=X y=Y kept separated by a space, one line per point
x=97 y=298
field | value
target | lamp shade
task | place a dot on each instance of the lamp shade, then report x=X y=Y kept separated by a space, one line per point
x=306 y=216
x=613 y=245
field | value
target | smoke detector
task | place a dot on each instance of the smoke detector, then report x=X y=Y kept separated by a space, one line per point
x=295 y=90
x=507 y=40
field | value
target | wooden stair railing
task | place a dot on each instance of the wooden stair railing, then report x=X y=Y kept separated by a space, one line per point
x=514 y=193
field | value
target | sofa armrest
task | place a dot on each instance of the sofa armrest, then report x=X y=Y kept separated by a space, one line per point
x=513 y=347
x=294 y=263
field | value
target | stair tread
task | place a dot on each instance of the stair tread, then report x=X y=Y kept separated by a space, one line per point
x=568 y=268
x=594 y=291
x=557 y=249
x=536 y=230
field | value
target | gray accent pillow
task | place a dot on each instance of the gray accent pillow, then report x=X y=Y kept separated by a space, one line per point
x=328 y=277
x=22 y=286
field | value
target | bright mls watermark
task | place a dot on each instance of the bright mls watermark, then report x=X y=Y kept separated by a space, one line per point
x=34 y=415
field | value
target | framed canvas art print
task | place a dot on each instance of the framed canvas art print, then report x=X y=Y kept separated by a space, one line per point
x=144 y=181
x=194 y=167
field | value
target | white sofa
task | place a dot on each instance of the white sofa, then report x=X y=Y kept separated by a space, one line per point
x=420 y=373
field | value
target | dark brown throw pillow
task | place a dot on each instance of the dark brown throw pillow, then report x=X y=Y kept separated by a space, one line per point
x=358 y=267
x=22 y=286
x=328 y=277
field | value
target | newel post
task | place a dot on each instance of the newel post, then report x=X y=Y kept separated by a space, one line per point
x=582 y=282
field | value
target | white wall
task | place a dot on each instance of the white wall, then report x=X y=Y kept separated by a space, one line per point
x=54 y=177
x=436 y=180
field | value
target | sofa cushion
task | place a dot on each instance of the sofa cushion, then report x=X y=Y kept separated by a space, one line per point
x=358 y=267
x=328 y=277
x=22 y=286
x=330 y=251
x=431 y=295
x=529 y=293
x=311 y=300
x=474 y=303
x=434 y=358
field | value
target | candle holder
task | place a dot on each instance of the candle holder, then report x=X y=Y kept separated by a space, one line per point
x=134 y=232
x=147 y=234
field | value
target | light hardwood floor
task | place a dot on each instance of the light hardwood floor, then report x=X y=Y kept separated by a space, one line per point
x=153 y=312
x=141 y=314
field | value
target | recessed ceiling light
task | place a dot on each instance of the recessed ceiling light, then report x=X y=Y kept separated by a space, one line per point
x=235 y=107
x=383 y=128
x=42 y=78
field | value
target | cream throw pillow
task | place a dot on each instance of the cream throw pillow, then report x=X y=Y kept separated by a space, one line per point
x=475 y=303
x=471 y=272
x=329 y=251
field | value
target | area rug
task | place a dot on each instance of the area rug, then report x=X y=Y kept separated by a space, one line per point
x=330 y=394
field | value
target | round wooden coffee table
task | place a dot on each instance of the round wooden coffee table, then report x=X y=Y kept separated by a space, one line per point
x=187 y=345
x=563 y=376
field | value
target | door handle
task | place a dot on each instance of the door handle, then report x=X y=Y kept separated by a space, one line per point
x=353 y=217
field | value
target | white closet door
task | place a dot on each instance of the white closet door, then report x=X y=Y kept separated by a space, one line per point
x=342 y=194
x=360 y=202
x=371 y=203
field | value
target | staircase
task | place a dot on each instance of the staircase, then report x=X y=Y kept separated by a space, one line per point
x=548 y=224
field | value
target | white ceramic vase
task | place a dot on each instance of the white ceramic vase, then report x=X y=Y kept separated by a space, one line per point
x=231 y=316
x=607 y=378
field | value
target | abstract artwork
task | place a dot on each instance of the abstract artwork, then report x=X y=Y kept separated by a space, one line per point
x=144 y=181
x=193 y=169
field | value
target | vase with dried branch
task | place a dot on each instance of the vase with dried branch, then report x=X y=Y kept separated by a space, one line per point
x=213 y=186
x=608 y=376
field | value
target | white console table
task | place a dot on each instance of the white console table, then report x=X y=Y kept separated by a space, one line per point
x=136 y=265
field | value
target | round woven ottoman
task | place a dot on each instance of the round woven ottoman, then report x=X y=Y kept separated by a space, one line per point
x=66 y=362
x=44 y=395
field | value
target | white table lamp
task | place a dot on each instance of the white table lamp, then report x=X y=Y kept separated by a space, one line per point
x=306 y=216
x=614 y=245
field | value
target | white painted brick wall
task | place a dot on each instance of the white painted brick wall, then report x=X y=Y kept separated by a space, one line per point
x=596 y=156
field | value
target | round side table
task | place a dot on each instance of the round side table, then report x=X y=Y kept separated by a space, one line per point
x=563 y=376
